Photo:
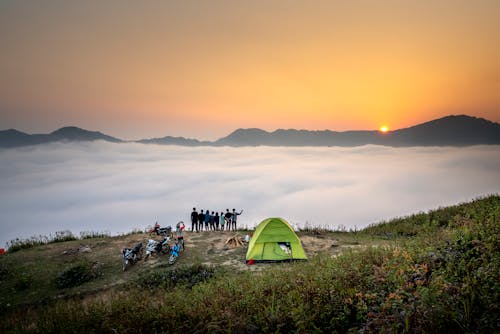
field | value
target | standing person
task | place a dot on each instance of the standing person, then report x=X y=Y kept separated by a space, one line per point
x=227 y=216
x=194 y=220
x=234 y=218
x=212 y=222
x=179 y=228
x=222 y=221
x=216 y=220
x=201 y=219
x=207 y=220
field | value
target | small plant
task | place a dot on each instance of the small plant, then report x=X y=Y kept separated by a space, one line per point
x=77 y=275
x=314 y=230
x=187 y=275
x=93 y=234
x=23 y=281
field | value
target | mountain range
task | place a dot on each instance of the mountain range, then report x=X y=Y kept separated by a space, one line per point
x=461 y=130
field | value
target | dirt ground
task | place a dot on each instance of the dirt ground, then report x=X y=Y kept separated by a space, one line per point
x=211 y=248
x=42 y=264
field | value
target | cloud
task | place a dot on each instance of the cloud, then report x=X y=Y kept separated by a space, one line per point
x=118 y=187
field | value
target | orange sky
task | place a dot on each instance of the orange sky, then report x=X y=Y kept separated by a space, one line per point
x=202 y=69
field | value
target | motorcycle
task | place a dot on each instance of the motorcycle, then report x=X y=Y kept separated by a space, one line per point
x=174 y=251
x=131 y=255
x=157 y=247
x=163 y=231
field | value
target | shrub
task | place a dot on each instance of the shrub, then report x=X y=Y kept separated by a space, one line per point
x=23 y=281
x=77 y=274
x=186 y=275
x=93 y=234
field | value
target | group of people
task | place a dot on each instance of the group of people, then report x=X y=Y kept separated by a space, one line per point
x=214 y=221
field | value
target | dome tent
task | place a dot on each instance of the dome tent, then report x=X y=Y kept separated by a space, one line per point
x=275 y=240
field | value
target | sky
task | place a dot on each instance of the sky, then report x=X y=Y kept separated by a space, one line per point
x=116 y=188
x=201 y=69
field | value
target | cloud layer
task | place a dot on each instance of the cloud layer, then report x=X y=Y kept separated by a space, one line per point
x=118 y=187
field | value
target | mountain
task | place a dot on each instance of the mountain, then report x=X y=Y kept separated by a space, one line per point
x=458 y=130
x=15 y=138
x=168 y=140
x=291 y=137
x=72 y=133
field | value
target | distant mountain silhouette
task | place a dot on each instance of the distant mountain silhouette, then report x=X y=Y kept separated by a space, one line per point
x=168 y=140
x=14 y=138
x=447 y=131
x=459 y=130
x=72 y=133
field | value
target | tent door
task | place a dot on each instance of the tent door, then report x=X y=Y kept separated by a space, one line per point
x=275 y=251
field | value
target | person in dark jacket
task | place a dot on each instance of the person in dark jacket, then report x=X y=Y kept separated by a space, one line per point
x=194 y=220
x=227 y=216
x=216 y=220
x=212 y=221
x=201 y=219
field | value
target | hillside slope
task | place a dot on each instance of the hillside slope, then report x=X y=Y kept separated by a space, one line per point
x=430 y=272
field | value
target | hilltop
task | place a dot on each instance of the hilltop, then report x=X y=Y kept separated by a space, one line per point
x=454 y=130
x=428 y=272
x=38 y=265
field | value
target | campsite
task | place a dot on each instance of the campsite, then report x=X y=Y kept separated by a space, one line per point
x=404 y=275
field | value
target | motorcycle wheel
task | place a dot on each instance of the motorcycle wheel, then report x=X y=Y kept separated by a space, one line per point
x=172 y=259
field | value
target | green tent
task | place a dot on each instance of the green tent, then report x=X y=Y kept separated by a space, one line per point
x=275 y=240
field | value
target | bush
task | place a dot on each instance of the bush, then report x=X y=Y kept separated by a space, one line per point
x=93 y=234
x=77 y=275
x=23 y=281
x=187 y=275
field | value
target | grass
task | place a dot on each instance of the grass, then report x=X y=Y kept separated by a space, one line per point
x=431 y=272
x=18 y=244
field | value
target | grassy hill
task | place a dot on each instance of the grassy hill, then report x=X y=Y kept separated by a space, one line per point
x=430 y=272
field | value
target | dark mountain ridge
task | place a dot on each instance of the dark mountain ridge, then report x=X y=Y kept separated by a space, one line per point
x=15 y=138
x=73 y=133
x=461 y=130
x=169 y=140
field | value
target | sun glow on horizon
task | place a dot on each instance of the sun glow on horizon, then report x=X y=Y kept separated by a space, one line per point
x=384 y=128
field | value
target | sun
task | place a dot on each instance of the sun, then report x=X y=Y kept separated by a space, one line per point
x=384 y=128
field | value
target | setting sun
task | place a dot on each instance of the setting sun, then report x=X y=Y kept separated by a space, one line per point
x=384 y=128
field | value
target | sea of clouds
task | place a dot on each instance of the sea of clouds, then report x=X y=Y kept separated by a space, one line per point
x=106 y=187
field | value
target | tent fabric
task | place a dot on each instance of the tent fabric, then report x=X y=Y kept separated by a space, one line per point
x=275 y=240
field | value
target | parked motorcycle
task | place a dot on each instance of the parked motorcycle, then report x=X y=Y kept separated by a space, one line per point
x=131 y=255
x=157 y=247
x=163 y=231
x=174 y=251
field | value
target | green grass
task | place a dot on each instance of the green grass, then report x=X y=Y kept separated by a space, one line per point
x=431 y=272
x=18 y=244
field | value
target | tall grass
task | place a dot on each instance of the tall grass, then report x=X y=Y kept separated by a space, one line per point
x=60 y=236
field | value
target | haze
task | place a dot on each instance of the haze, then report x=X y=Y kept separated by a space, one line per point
x=102 y=186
